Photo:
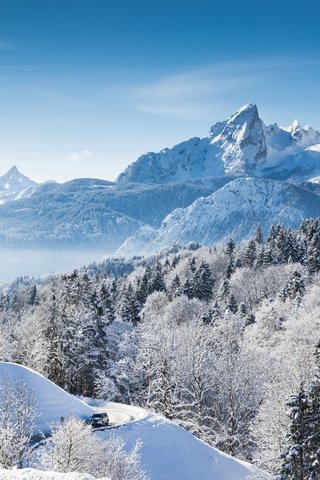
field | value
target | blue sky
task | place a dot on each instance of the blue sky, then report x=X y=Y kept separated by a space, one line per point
x=86 y=86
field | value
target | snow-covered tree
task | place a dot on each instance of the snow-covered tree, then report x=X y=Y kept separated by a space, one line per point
x=18 y=413
x=294 y=455
x=73 y=448
x=122 y=464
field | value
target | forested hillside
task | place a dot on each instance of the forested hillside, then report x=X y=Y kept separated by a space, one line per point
x=216 y=339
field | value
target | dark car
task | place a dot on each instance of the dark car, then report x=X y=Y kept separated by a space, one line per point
x=98 y=420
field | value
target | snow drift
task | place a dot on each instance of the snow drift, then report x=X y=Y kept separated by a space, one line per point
x=169 y=452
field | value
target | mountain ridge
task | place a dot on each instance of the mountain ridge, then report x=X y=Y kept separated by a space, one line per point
x=240 y=145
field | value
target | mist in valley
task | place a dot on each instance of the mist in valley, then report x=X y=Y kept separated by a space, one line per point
x=20 y=262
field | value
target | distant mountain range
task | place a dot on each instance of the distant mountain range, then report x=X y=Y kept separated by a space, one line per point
x=204 y=190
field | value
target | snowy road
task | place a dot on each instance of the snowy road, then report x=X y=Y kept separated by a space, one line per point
x=120 y=414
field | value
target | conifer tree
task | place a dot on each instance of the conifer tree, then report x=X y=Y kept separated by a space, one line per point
x=301 y=456
x=224 y=290
x=203 y=282
x=107 y=303
x=157 y=283
x=232 y=304
x=230 y=267
x=313 y=254
x=230 y=247
x=293 y=455
x=258 y=236
x=175 y=286
x=251 y=253
x=129 y=305
x=296 y=286
x=312 y=441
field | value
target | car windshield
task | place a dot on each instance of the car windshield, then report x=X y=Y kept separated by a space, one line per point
x=98 y=415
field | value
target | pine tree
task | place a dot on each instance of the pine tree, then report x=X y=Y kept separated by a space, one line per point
x=250 y=253
x=313 y=254
x=129 y=305
x=281 y=245
x=293 y=463
x=143 y=287
x=230 y=267
x=176 y=259
x=268 y=256
x=243 y=310
x=230 y=247
x=292 y=253
x=232 y=304
x=33 y=300
x=295 y=287
x=187 y=288
x=203 y=282
x=258 y=236
x=312 y=442
x=224 y=290
x=175 y=286
x=192 y=267
x=107 y=303
x=157 y=283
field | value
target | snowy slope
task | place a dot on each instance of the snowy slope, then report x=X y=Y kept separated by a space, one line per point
x=241 y=145
x=52 y=402
x=171 y=453
x=168 y=453
x=233 y=211
x=14 y=186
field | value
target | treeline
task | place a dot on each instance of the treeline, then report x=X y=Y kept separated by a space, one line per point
x=216 y=339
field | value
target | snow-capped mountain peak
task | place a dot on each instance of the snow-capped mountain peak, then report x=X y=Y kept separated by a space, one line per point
x=306 y=136
x=242 y=141
x=245 y=113
x=14 y=185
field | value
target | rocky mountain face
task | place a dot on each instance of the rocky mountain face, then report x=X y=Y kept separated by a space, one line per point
x=234 y=211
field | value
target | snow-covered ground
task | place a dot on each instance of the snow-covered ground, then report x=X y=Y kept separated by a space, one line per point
x=168 y=451
x=31 y=474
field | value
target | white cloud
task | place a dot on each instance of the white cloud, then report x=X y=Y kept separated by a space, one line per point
x=77 y=157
